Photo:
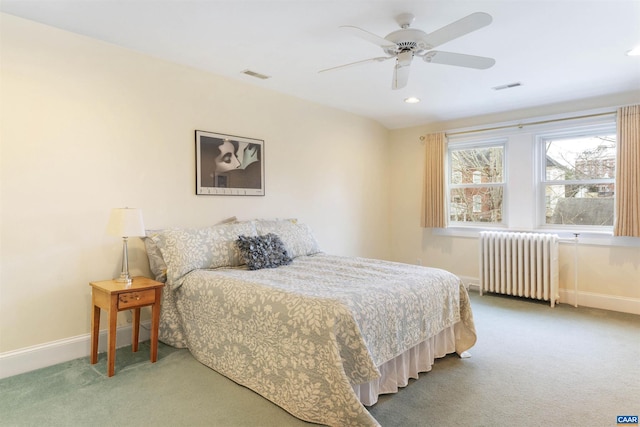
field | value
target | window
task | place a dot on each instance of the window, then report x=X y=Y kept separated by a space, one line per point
x=477 y=203
x=578 y=184
x=476 y=183
x=548 y=175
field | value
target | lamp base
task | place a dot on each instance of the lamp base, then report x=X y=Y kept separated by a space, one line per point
x=124 y=275
x=124 y=278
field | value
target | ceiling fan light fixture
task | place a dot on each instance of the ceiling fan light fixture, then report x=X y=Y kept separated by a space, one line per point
x=412 y=100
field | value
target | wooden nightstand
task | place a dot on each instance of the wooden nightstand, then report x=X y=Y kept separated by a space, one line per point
x=116 y=296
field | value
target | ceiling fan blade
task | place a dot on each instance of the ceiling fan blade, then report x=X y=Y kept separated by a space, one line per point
x=459 y=60
x=401 y=70
x=370 y=37
x=351 y=64
x=459 y=28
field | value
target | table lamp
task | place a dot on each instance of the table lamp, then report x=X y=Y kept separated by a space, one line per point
x=125 y=223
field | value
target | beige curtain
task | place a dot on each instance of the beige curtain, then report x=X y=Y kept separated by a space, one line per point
x=627 y=222
x=433 y=195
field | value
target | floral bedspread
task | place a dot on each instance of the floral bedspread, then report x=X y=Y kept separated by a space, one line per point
x=300 y=335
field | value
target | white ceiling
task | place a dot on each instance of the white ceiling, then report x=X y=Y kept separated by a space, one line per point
x=560 y=50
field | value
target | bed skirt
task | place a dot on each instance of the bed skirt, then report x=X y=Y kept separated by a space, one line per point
x=396 y=372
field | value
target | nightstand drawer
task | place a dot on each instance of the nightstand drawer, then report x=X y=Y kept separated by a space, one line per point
x=136 y=299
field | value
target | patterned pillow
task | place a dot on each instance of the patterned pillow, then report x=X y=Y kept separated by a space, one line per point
x=297 y=238
x=185 y=250
x=156 y=263
x=266 y=251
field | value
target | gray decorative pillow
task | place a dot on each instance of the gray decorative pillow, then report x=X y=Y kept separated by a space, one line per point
x=265 y=251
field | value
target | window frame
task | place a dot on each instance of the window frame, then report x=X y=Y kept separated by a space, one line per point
x=541 y=181
x=476 y=143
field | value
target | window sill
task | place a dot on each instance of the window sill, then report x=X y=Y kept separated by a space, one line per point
x=597 y=238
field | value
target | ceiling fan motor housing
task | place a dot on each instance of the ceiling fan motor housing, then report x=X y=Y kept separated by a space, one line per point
x=407 y=39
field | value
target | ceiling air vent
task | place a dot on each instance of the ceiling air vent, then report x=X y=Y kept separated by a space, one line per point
x=256 y=75
x=508 y=86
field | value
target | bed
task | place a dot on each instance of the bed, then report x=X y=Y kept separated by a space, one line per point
x=320 y=335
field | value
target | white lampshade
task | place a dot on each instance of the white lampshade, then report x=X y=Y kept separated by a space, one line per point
x=126 y=222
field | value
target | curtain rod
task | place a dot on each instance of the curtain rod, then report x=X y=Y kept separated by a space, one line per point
x=521 y=125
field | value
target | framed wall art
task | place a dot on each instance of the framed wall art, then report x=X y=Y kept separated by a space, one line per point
x=229 y=165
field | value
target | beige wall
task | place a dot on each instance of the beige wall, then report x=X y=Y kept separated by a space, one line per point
x=608 y=276
x=87 y=126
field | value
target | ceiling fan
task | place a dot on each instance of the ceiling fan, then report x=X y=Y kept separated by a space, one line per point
x=406 y=43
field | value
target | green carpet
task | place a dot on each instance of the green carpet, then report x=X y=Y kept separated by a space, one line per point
x=532 y=366
x=177 y=390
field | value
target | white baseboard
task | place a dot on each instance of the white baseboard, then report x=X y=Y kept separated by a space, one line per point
x=585 y=299
x=605 y=302
x=51 y=353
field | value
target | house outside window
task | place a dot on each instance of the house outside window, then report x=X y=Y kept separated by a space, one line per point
x=476 y=183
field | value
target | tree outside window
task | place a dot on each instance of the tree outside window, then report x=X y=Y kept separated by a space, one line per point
x=579 y=179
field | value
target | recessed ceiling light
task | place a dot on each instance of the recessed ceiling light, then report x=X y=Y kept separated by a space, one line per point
x=412 y=100
x=634 y=52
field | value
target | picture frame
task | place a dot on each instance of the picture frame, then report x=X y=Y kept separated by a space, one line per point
x=229 y=165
